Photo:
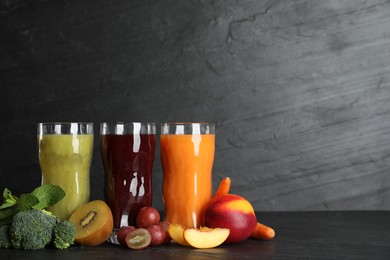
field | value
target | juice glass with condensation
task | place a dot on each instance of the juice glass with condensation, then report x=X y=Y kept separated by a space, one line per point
x=65 y=154
x=127 y=151
x=187 y=155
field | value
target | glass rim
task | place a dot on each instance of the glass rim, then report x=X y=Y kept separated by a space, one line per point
x=122 y=128
x=187 y=128
x=188 y=123
x=128 y=123
x=65 y=128
x=64 y=123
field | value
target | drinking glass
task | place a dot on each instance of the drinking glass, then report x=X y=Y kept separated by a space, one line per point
x=65 y=154
x=127 y=151
x=187 y=155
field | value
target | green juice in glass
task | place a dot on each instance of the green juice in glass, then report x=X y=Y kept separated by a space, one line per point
x=65 y=161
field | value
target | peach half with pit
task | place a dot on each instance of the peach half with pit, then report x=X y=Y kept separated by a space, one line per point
x=232 y=212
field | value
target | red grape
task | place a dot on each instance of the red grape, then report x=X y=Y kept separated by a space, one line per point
x=165 y=226
x=158 y=234
x=146 y=217
x=123 y=231
x=138 y=239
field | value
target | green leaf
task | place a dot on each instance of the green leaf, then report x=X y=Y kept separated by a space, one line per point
x=48 y=195
x=7 y=214
x=7 y=220
x=7 y=204
x=9 y=199
x=42 y=197
x=27 y=201
x=6 y=193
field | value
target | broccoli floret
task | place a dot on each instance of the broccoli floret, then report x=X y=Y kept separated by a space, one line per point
x=5 y=241
x=63 y=234
x=32 y=229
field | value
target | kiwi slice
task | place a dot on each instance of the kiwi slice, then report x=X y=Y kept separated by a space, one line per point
x=93 y=222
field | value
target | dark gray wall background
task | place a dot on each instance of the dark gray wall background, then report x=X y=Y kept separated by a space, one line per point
x=300 y=90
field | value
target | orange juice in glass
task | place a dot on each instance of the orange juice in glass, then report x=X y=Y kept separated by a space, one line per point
x=187 y=155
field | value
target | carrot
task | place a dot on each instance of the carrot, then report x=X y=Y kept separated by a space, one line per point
x=262 y=232
x=224 y=187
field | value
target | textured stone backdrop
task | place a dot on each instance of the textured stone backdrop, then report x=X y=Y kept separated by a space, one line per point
x=300 y=90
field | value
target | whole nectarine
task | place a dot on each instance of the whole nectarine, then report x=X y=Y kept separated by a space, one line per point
x=233 y=212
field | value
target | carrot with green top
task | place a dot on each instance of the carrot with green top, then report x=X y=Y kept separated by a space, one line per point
x=224 y=187
x=262 y=232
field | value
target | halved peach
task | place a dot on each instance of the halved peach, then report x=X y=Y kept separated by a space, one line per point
x=93 y=222
x=205 y=237
x=176 y=231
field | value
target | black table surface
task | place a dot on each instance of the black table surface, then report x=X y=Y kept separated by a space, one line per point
x=299 y=235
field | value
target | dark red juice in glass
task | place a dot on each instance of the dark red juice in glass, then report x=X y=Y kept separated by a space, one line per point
x=128 y=163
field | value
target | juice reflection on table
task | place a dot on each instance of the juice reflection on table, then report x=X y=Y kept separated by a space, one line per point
x=187 y=161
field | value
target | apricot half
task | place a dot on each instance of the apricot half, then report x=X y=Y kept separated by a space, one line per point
x=93 y=222
x=205 y=237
